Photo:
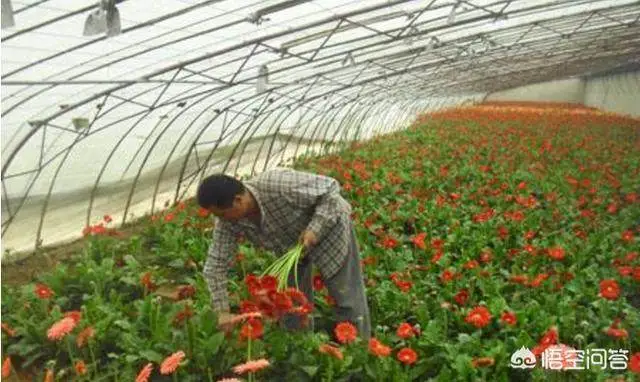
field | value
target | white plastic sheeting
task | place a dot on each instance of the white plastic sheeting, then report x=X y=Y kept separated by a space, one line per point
x=95 y=125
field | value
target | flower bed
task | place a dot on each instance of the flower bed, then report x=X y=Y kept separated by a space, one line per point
x=482 y=230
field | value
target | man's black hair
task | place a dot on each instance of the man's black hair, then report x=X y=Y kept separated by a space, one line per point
x=218 y=190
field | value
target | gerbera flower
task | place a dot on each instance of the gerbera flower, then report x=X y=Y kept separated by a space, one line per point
x=81 y=368
x=253 y=329
x=405 y=330
x=171 y=363
x=331 y=350
x=479 y=317
x=61 y=328
x=145 y=373
x=378 y=349
x=346 y=332
x=407 y=356
x=482 y=362
x=508 y=318
x=43 y=292
x=634 y=362
x=609 y=289
x=251 y=366
x=6 y=367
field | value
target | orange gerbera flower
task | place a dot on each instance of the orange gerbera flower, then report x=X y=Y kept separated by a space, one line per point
x=378 y=349
x=346 y=332
x=81 y=368
x=6 y=367
x=331 y=350
x=171 y=363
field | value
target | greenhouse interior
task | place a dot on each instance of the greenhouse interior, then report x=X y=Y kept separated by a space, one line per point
x=320 y=190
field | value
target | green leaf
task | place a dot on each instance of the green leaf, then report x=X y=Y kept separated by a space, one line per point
x=130 y=358
x=151 y=356
x=212 y=345
x=178 y=263
x=310 y=370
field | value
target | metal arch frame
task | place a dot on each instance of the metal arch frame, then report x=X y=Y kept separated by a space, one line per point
x=287 y=68
x=408 y=69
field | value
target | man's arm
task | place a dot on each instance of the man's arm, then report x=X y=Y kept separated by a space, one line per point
x=319 y=192
x=223 y=247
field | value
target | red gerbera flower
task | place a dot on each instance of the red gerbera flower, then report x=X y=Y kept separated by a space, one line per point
x=405 y=330
x=447 y=276
x=318 y=283
x=634 y=362
x=549 y=338
x=509 y=318
x=252 y=329
x=43 y=292
x=462 y=297
x=479 y=317
x=389 y=242
x=471 y=264
x=556 y=253
x=609 y=289
x=346 y=332
x=75 y=315
x=268 y=282
x=418 y=240
x=627 y=236
x=407 y=356
x=436 y=256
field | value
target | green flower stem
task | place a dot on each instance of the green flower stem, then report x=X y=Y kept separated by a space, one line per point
x=93 y=358
x=70 y=350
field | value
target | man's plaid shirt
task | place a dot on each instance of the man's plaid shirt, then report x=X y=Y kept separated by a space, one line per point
x=290 y=201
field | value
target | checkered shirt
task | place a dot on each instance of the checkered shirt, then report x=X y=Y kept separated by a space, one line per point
x=290 y=201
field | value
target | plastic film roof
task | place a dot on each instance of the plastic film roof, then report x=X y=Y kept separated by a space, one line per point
x=120 y=124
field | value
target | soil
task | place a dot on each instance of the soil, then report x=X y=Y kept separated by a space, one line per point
x=29 y=268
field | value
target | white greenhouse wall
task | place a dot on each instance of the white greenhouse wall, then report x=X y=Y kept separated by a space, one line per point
x=569 y=90
x=619 y=93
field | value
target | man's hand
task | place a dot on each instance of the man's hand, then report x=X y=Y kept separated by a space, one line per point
x=225 y=321
x=308 y=239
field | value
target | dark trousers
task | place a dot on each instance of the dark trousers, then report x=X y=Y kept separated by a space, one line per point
x=346 y=287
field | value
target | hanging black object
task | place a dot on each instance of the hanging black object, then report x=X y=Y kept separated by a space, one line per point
x=104 y=19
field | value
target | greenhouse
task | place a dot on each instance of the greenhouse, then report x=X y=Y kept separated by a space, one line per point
x=435 y=190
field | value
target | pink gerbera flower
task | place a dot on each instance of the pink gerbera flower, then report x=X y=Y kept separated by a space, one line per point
x=61 y=328
x=145 y=373
x=251 y=366
x=171 y=363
